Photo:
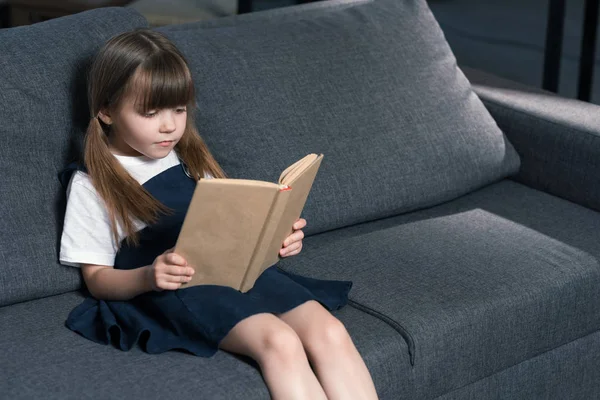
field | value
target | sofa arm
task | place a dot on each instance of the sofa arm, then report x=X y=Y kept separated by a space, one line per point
x=558 y=139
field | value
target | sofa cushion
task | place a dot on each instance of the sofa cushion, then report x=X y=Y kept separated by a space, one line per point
x=566 y=372
x=43 y=114
x=41 y=357
x=475 y=285
x=373 y=86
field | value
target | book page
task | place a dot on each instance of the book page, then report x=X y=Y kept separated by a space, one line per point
x=296 y=169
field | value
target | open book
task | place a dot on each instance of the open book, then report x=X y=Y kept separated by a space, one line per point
x=234 y=228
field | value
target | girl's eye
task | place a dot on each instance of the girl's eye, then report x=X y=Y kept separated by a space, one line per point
x=150 y=114
x=181 y=110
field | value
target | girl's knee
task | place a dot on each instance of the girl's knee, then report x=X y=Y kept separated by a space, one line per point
x=330 y=335
x=281 y=343
x=261 y=334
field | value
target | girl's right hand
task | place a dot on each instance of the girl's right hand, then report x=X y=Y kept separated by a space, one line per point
x=169 y=271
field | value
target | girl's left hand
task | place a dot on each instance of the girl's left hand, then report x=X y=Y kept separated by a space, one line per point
x=293 y=243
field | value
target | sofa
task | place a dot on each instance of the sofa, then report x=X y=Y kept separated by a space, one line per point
x=465 y=208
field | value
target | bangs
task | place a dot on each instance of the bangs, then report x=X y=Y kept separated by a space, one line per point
x=162 y=82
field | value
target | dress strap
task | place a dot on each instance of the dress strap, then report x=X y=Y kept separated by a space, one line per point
x=64 y=176
x=185 y=168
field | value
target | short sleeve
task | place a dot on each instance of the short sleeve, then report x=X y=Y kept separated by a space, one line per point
x=87 y=236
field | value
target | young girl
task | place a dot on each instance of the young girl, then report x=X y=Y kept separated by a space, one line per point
x=125 y=208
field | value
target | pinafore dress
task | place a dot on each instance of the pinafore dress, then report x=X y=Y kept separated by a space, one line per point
x=193 y=319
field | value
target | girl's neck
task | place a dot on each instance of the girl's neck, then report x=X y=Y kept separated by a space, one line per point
x=124 y=156
x=117 y=152
x=142 y=159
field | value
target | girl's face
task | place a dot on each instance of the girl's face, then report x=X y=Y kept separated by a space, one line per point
x=153 y=135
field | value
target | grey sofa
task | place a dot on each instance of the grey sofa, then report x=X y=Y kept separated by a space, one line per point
x=464 y=208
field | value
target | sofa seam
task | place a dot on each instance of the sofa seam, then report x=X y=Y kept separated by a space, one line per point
x=406 y=336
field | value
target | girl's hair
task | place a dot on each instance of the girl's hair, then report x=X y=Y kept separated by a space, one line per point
x=146 y=65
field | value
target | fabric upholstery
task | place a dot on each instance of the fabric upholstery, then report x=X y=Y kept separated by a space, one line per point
x=43 y=359
x=280 y=14
x=566 y=372
x=558 y=139
x=43 y=114
x=474 y=285
x=374 y=87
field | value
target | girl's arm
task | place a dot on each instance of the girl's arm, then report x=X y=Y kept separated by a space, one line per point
x=168 y=272
x=107 y=283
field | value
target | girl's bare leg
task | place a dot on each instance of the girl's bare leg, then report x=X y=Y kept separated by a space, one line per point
x=339 y=366
x=278 y=351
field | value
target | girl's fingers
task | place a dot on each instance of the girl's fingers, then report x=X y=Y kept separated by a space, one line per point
x=299 y=224
x=175 y=270
x=291 y=250
x=294 y=246
x=291 y=253
x=175 y=259
x=177 y=278
x=170 y=286
x=293 y=238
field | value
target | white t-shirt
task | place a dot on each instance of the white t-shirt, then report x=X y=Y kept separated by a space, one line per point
x=87 y=236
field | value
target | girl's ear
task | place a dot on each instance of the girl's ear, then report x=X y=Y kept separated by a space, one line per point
x=104 y=116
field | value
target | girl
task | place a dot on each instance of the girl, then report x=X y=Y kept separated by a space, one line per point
x=125 y=207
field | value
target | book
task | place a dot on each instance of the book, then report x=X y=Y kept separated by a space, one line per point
x=234 y=228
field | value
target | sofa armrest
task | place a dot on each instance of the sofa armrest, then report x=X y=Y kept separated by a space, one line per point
x=558 y=139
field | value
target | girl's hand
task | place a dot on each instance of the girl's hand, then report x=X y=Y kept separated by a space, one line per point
x=169 y=271
x=292 y=245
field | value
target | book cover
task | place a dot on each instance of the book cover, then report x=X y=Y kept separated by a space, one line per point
x=234 y=228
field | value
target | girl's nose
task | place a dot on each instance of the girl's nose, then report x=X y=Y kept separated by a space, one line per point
x=167 y=122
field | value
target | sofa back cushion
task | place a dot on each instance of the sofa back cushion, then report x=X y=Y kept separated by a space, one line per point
x=373 y=85
x=43 y=115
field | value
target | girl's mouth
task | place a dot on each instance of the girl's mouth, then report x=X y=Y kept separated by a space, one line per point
x=165 y=143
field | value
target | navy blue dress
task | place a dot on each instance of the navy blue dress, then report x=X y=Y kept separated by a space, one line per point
x=193 y=319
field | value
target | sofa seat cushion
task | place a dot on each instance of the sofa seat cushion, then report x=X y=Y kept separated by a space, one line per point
x=41 y=358
x=43 y=117
x=474 y=285
x=372 y=85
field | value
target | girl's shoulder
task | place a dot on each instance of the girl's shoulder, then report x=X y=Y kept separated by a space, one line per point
x=81 y=178
x=81 y=187
x=67 y=174
x=74 y=178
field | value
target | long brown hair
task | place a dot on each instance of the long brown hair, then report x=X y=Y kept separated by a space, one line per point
x=162 y=80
